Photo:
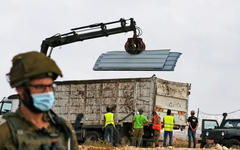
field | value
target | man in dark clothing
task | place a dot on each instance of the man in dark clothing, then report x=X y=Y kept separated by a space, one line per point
x=192 y=128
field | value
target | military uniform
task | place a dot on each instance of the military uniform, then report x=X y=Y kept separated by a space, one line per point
x=32 y=74
x=18 y=133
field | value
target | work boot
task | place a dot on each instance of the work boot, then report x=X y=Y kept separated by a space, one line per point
x=153 y=145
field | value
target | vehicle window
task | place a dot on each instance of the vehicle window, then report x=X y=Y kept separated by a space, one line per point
x=210 y=124
x=228 y=124
x=6 y=107
x=232 y=123
x=238 y=125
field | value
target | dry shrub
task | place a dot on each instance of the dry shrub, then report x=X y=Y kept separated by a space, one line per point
x=178 y=142
x=99 y=143
x=210 y=145
x=183 y=143
x=235 y=147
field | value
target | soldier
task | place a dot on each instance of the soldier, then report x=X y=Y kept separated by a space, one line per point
x=34 y=126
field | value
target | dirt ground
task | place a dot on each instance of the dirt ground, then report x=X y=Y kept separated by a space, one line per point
x=83 y=147
x=179 y=144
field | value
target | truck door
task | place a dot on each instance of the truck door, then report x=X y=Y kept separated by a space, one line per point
x=9 y=104
x=5 y=107
x=207 y=126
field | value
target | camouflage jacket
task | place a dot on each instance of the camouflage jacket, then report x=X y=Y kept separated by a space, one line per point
x=18 y=133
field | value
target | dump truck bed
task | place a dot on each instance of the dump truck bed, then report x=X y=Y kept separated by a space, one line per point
x=126 y=96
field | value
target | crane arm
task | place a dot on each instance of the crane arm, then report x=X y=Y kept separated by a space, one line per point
x=75 y=35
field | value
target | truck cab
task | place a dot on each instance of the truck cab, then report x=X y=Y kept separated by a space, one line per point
x=9 y=104
x=226 y=134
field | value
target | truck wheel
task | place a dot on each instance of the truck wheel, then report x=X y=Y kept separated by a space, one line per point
x=92 y=135
x=202 y=144
x=125 y=141
x=229 y=143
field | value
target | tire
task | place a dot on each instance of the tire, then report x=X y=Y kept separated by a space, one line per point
x=202 y=144
x=92 y=135
x=230 y=142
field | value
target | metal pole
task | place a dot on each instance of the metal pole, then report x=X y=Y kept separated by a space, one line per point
x=197 y=112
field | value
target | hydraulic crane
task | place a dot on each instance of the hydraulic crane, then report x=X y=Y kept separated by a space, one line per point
x=133 y=45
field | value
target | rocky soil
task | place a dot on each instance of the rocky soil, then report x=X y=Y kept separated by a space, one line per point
x=216 y=147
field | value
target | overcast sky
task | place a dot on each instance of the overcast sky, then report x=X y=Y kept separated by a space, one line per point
x=207 y=32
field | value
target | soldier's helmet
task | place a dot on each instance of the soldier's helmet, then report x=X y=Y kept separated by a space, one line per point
x=31 y=65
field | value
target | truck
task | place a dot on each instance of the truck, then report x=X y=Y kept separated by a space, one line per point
x=84 y=102
x=8 y=104
x=227 y=133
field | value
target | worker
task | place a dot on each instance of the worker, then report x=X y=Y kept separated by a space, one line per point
x=156 y=126
x=109 y=125
x=139 y=121
x=115 y=129
x=192 y=128
x=168 y=122
x=34 y=125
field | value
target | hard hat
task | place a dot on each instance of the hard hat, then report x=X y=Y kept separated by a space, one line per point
x=31 y=65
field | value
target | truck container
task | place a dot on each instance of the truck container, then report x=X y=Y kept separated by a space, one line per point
x=89 y=98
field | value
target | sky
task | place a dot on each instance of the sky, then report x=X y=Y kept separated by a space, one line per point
x=206 y=32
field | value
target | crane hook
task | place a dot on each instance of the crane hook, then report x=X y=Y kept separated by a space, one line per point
x=134 y=45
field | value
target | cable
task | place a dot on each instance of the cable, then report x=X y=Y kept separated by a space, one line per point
x=219 y=114
x=209 y=114
x=139 y=31
x=233 y=111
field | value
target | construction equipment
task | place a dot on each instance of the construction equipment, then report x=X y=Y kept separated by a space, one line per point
x=134 y=59
x=134 y=45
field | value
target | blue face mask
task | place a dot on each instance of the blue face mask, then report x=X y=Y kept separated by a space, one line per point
x=43 y=101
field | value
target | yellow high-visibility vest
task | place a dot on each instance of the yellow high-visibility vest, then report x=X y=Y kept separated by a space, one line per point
x=168 y=123
x=108 y=118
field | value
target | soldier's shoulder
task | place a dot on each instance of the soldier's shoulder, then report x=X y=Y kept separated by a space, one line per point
x=4 y=134
x=5 y=137
x=3 y=126
x=68 y=123
x=3 y=122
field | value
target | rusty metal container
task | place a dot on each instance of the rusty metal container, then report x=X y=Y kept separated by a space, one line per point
x=126 y=96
